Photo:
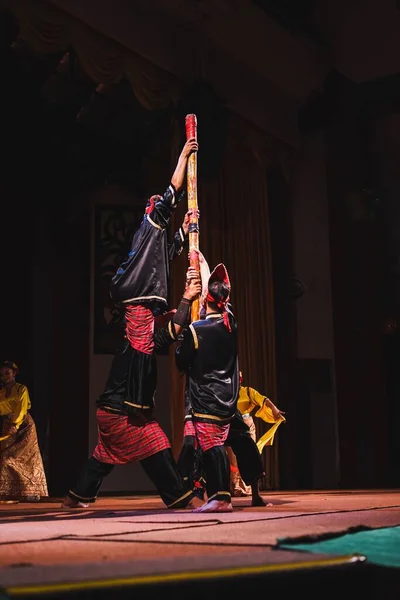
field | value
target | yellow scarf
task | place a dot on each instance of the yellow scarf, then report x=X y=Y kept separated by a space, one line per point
x=265 y=413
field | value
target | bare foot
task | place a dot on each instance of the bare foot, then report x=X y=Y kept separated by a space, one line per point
x=258 y=501
x=215 y=506
x=72 y=503
x=194 y=503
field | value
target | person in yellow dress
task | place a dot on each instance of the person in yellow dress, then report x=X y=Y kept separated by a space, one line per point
x=250 y=399
x=22 y=475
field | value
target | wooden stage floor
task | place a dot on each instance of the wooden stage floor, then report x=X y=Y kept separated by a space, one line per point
x=134 y=542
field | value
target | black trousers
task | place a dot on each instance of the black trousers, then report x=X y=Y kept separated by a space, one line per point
x=249 y=459
x=217 y=474
x=160 y=468
x=212 y=466
x=191 y=460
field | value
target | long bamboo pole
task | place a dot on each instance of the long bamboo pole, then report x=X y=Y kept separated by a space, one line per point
x=191 y=132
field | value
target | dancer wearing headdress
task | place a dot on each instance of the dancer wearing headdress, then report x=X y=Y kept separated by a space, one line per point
x=208 y=355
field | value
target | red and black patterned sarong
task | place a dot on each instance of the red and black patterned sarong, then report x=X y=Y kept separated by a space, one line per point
x=139 y=327
x=189 y=428
x=210 y=435
x=126 y=438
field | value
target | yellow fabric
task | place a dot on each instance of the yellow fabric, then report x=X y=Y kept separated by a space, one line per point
x=15 y=405
x=21 y=465
x=268 y=438
x=248 y=400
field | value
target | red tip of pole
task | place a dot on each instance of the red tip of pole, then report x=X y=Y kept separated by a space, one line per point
x=191 y=126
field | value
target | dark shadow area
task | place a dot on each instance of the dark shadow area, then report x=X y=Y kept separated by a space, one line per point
x=368 y=581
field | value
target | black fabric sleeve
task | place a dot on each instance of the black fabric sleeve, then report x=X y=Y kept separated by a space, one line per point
x=186 y=351
x=163 y=338
x=178 y=243
x=161 y=213
x=182 y=315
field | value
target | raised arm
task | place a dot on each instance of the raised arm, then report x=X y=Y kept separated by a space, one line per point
x=158 y=208
x=191 y=293
x=204 y=277
x=181 y=236
x=180 y=170
x=164 y=337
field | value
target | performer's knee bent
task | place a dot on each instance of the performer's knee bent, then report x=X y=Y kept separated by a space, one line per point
x=162 y=469
x=90 y=480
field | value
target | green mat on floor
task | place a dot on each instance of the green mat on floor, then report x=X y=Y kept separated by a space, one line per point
x=380 y=546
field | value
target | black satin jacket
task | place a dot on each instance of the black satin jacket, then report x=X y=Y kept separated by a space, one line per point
x=143 y=277
x=132 y=380
x=208 y=355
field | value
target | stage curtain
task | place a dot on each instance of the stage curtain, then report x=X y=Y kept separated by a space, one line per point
x=234 y=229
x=48 y=30
x=234 y=224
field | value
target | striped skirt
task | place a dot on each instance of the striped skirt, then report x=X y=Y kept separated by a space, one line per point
x=126 y=438
x=208 y=435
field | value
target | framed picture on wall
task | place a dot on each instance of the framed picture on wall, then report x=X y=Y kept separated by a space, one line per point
x=114 y=226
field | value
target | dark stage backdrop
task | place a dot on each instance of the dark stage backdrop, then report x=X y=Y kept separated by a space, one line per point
x=113 y=230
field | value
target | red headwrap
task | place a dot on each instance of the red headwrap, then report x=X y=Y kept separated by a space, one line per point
x=220 y=274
